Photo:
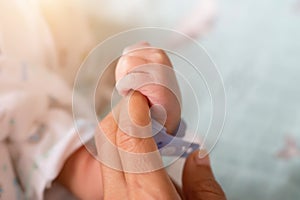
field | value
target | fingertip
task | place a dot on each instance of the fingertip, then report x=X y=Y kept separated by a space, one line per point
x=198 y=179
x=196 y=168
x=143 y=43
x=201 y=157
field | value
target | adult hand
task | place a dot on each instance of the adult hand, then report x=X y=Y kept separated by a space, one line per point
x=129 y=177
x=114 y=148
x=120 y=182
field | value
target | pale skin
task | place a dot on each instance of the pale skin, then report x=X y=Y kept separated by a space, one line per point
x=87 y=178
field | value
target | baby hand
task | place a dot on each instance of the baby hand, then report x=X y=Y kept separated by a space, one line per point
x=142 y=56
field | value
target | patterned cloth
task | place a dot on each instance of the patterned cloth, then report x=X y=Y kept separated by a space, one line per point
x=37 y=132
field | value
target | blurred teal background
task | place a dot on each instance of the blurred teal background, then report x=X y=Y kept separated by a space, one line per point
x=256 y=46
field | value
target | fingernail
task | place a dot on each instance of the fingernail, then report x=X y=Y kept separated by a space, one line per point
x=201 y=158
x=143 y=44
x=135 y=46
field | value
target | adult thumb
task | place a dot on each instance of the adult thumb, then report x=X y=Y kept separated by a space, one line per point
x=198 y=181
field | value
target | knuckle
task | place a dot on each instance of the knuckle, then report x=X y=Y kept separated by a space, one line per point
x=129 y=62
x=126 y=61
x=159 y=56
x=131 y=144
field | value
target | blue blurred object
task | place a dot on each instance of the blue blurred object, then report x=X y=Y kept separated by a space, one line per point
x=172 y=145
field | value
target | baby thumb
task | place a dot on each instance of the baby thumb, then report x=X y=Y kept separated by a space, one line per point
x=198 y=181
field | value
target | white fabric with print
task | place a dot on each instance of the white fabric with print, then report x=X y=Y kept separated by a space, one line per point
x=37 y=131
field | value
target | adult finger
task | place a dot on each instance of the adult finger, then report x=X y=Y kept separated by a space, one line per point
x=144 y=173
x=112 y=175
x=198 y=180
x=137 y=148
